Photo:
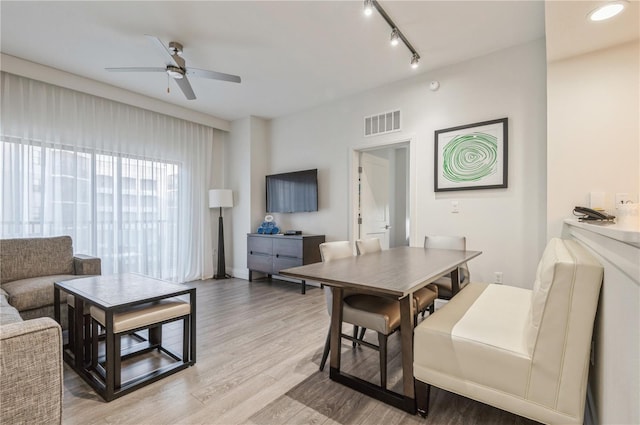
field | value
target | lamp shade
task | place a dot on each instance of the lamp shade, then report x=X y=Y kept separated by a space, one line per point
x=220 y=198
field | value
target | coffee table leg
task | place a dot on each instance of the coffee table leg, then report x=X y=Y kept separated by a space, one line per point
x=78 y=337
x=192 y=322
x=110 y=356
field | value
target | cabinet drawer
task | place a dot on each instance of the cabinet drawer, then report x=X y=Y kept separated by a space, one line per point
x=281 y=263
x=259 y=245
x=288 y=248
x=260 y=263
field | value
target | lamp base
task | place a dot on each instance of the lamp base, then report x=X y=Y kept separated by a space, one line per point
x=222 y=272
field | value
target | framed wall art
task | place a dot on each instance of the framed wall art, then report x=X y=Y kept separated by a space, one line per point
x=472 y=156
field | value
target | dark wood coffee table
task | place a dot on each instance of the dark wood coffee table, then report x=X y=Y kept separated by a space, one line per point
x=114 y=294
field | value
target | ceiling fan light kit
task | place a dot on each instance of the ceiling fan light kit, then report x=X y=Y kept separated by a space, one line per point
x=176 y=68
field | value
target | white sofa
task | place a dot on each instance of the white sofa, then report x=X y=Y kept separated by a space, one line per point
x=523 y=351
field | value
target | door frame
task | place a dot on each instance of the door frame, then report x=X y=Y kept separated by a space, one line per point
x=354 y=163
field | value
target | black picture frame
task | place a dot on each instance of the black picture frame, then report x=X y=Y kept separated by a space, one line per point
x=472 y=156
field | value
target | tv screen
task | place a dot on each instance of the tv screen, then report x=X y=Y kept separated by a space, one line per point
x=292 y=192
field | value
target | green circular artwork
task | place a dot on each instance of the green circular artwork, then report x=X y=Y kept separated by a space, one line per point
x=470 y=157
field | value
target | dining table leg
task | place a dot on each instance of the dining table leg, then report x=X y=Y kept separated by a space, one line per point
x=455 y=281
x=406 y=336
x=336 y=331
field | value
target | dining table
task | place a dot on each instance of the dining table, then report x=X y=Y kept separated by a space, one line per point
x=394 y=273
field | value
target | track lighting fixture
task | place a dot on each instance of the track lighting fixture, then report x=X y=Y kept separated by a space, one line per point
x=368 y=7
x=415 y=61
x=396 y=34
x=395 y=38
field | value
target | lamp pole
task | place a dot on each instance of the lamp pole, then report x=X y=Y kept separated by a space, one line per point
x=221 y=273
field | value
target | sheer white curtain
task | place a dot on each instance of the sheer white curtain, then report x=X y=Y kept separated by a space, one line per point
x=127 y=184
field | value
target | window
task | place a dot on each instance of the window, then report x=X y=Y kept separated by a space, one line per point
x=118 y=208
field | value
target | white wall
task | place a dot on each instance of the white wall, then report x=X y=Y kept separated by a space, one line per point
x=594 y=145
x=508 y=225
x=593 y=133
x=247 y=163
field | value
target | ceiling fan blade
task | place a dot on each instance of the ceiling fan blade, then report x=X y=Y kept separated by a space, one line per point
x=203 y=73
x=184 y=85
x=136 y=69
x=162 y=48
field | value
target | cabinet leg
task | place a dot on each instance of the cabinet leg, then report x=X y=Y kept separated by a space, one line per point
x=250 y=275
x=304 y=287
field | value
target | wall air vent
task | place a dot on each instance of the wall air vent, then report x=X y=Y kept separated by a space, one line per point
x=386 y=122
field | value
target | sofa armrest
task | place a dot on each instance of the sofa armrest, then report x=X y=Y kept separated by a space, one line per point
x=87 y=265
x=31 y=371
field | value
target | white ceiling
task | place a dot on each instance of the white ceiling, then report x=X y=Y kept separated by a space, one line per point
x=291 y=55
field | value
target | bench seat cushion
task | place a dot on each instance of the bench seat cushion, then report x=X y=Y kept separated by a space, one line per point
x=144 y=315
x=498 y=358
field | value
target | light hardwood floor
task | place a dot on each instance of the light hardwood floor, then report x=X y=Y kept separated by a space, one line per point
x=258 y=350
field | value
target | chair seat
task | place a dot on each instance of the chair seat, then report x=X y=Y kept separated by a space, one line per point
x=424 y=297
x=372 y=312
x=144 y=314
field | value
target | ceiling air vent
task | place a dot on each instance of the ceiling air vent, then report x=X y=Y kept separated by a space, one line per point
x=382 y=123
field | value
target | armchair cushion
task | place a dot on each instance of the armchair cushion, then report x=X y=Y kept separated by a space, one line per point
x=34 y=257
x=35 y=292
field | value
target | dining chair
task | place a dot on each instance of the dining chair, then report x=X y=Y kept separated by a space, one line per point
x=423 y=298
x=445 y=289
x=361 y=310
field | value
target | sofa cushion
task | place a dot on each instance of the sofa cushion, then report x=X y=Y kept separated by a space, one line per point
x=29 y=294
x=8 y=313
x=33 y=257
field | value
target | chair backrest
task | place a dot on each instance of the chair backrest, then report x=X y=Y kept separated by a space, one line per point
x=367 y=246
x=446 y=242
x=450 y=242
x=563 y=307
x=333 y=251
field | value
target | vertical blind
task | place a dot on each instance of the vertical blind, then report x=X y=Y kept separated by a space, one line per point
x=127 y=184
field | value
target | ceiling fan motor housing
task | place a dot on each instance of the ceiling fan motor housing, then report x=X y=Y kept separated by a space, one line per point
x=175 y=48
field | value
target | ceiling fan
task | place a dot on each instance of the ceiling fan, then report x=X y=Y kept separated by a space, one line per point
x=177 y=69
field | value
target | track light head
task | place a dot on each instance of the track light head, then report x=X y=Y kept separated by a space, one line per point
x=395 y=37
x=415 y=61
x=368 y=7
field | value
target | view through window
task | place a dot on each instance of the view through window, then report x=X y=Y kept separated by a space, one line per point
x=122 y=209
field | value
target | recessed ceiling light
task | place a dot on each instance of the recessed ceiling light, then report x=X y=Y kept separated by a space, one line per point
x=606 y=11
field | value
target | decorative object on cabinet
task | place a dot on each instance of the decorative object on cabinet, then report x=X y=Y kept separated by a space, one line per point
x=220 y=198
x=268 y=226
x=271 y=253
x=472 y=156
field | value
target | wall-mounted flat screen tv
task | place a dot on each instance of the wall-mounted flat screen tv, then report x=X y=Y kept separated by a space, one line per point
x=292 y=192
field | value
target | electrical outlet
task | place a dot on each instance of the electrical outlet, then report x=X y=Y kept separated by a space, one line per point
x=622 y=198
x=455 y=207
x=498 y=278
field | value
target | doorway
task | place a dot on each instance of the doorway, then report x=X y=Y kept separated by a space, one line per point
x=382 y=195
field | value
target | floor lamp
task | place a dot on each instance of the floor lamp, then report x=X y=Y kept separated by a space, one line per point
x=220 y=198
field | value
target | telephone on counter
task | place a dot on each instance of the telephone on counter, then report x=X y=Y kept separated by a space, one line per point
x=587 y=214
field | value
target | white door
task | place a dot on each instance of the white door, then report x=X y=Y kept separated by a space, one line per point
x=374 y=198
